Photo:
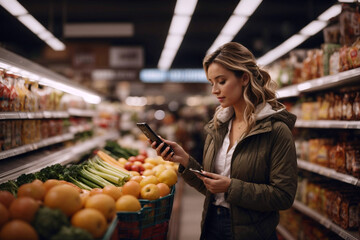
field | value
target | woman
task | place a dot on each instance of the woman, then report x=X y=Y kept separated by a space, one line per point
x=249 y=155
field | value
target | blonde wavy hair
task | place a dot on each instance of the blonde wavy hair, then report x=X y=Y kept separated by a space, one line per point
x=260 y=89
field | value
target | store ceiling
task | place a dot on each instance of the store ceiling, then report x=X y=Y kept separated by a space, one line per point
x=272 y=23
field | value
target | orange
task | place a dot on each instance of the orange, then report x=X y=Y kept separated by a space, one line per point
x=84 y=196
x=112 y=191
x=148 y=179
x=103 y=203
x=4 y=214
x=168 y=176
x=136 y=178
x=33 y=190
x=148 y=165
x=65 y=198
x=38 y=182
x=51 y=183
x=18 y=229
x=128 y=203
x=164 y=189
x=95 y=191
x=131 y=188
x=23 y=208
x=91 y=220
x=6 y=198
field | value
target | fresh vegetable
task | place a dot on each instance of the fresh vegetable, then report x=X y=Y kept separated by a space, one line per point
x=107 y=158
x=49 y=221
x=115 y=149
x=9 y=186
x=72 y=233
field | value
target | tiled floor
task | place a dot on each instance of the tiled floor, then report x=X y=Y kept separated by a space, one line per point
x=190 y=213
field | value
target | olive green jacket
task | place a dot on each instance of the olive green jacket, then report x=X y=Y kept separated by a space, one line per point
x=263 y=174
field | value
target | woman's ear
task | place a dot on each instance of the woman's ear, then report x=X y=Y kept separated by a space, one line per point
x=245 y=79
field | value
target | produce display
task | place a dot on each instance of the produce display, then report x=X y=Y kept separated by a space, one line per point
x=81 y=201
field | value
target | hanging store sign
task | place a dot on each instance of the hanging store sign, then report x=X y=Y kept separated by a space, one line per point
x=175 y=75
x=126 y=57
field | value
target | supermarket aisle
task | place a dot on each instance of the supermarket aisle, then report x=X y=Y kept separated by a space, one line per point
x=190 y=216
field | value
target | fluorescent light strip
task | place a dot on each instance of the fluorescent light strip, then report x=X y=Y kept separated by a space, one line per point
x=183 y=12
x=309 y=30
x=17 y=10
x=237 y=20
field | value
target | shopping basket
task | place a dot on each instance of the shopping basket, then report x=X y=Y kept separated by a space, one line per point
x=151 y=222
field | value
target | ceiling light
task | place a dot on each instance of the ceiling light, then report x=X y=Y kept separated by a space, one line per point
x=313 y=28
x=282 y=49
x=13 y=7
x=185 y=7
x=220 y=40
x=233 y=25
x=330 y=13
x=246 y=7
x=179 y=25
x=309 y=30
x=173 y=42
x=31 y=23
x=45 y=35
x=166 y=59
x=55 y=44
x=237 y=20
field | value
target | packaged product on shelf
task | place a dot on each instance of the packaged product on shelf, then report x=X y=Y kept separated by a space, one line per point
x=337 y=157
x=328 y=50
x=338 y=107
x=324 y=151
x=332 y=32
x=348 y=213
x=5 y=92
x=343 y=59
x=353 y=54
x=331 y=112
x=356 y=106
x=8 y=135
x=349 y=24
x=19 y=86
x=347 y=109
x=334 y=63
x=14 y=96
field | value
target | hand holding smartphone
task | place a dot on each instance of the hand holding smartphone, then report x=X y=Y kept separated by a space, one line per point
x=198 y=172
x=150 y=134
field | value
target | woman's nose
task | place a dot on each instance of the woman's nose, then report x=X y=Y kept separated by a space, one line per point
x=214 y=90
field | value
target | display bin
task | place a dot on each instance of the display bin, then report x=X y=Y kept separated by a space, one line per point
x=151 y=222
x=112 y=231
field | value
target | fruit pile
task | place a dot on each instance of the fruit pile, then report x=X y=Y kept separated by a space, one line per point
x=59 y=209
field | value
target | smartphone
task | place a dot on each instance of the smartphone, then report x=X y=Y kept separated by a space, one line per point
x=198 y=172
x=150 y=134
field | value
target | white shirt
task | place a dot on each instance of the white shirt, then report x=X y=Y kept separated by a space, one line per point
x=223 y=165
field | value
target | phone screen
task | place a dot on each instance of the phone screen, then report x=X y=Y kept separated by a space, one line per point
x=198 y=172
x=150 y=134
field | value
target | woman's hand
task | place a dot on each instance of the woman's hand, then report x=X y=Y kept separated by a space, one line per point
x=179 y=154
x=215 y=183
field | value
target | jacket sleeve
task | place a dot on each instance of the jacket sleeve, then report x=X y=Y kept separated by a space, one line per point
x=190 y=178
x=280 y=192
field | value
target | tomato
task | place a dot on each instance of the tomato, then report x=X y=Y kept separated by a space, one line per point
x=132 y=159
x=140 y=158
x=128 y=165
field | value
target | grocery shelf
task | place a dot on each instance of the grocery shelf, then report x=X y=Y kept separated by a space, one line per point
x=81 y=128
x=33 y=146
x=34 y=115
x=327 y=124
x=81 y=112
x=284 y=232
x=348 y=235
x=328 y=172
x=64 y=156
x=336 y=80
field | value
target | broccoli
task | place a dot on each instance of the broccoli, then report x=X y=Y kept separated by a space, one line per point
x=25 y=178
x=72 y=233
x=49 y=221
x=9 y=186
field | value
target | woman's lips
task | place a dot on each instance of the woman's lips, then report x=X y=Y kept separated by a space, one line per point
x=221 y=99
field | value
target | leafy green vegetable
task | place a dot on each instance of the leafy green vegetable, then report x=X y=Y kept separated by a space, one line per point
x=115 y=149
x=9 y=186
x=49 y=221
x=25 y=178
x=72 y=233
